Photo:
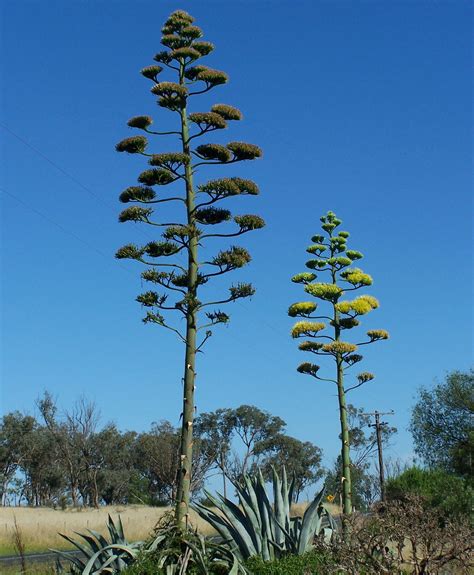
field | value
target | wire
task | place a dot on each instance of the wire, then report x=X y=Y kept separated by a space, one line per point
x=62 y=228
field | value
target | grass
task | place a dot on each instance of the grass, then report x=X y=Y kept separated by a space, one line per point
x=39 y=527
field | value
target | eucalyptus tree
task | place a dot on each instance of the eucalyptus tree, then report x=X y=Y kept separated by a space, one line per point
x=173 y=262
x=332 y=256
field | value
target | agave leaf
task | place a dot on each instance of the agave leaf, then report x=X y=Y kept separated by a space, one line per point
x=241 y=523
x=87 y=552
x=90 y=540
x=113 y=547
x=311 y=523
x=75 y=560
x=278 y=508
x=100 y=538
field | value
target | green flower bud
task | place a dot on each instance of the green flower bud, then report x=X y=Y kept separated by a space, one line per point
x=211 y=215
x=137 y=194
x=243 y=151
x=329 y=292
x=365 y=376
x=304 y=277
x=135 y=214
x=155 y=177
x=141 y=122
x=308 y=368
x=376 y=334
x=133 y=145
x=214 y=152
x=249 y=222
x=227 y=112
x=130 y=251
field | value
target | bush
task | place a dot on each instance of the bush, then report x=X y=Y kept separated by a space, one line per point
x=440 y=490
x=312 y=563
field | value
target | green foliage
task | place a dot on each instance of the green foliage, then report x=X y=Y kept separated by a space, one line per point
x=439 y=489
x=311 y=563
x=255 y=527
x=441 y=424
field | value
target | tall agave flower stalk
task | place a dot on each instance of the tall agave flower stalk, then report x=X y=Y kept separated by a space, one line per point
x=331 y=256
x=173 y=261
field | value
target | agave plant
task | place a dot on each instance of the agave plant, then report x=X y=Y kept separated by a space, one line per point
x=256 y=527
x=99 y=555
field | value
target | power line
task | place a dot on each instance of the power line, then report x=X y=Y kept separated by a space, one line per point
x=62 y=228
x=378 y=432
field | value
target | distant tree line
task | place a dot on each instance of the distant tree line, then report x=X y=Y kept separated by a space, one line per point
x=68 y=458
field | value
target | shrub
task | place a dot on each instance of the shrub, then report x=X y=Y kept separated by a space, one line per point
x=440 y=490
x=312 y=563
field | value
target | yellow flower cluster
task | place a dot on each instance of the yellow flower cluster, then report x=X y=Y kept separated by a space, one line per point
x=360 y=306
x=302 y=308
x=376 y=334
x=330 y=292
x=339 y=347
x=307 y=328
x=357 y=277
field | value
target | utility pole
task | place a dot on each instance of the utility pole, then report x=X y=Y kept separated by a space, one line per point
x=378 y=432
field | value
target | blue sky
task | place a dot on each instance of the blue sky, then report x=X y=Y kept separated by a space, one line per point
x=363 y=108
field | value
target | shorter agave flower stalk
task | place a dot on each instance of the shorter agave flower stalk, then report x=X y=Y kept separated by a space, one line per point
x=325 y=336
x=255 y=527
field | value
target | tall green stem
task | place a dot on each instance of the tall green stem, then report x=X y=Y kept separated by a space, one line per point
x=345 y=447
x=186 y=445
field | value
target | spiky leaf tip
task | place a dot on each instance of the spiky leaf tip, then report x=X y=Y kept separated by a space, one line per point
x=328 y=292
x=135 y=214
x=214 y=152
x=233 y=258
x=308 y=368
x=302 y=308
x=151 y=72
x=357 y=277
x=376 y=334
x=354 y=255
x=241 y=290
x=227 y=112
x=365 y=376
x=208 y=120
x=161 y=249
x=155 y=177
x=339 y=347
x=312 y=346
x=212 y=216
x=140 y=122
x=249 y=222
x=306 y=328
x=244 y=151
x=129 y=251
x=137 y=194
x=133 y=145
x=303 y=278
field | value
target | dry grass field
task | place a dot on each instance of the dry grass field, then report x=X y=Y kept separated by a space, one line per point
x=40 y=527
